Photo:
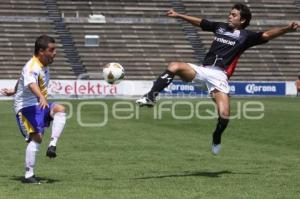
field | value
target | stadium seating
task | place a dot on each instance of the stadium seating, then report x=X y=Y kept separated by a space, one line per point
x=17 y=46
x=143 y=49
x=21 y=22
x=23 y=8
x=119 y=8
x=131 y=36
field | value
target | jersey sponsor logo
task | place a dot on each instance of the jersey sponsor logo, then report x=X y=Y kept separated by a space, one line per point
x=224 y=41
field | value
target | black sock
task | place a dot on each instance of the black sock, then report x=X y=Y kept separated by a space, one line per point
x=221 y=126
x=161 y=82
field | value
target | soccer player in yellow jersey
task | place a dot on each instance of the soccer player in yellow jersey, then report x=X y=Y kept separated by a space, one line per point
x=33 y=112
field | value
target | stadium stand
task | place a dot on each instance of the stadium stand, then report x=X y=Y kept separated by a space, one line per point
x=21 y=22
x=142 y=49
x=137 y=34
x=119 y=8
x=33 y=8
x=65 y=37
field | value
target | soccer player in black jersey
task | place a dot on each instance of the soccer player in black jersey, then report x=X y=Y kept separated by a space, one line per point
x=231 y=39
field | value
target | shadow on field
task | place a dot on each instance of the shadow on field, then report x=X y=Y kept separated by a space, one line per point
x=41 y=179
x=103 y=179
x=188 y=174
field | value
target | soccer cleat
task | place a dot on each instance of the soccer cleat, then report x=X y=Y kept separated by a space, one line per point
x=144 y=101
x=51 y=152
x=31 y=180
x=216 y=148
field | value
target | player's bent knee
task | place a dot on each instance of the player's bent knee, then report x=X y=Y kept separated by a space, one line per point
x=183 y=70
x=174 y=67
x=224 y=114
x=37 y=137
x=59 y=108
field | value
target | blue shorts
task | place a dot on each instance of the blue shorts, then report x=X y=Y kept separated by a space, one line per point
x=34 y=119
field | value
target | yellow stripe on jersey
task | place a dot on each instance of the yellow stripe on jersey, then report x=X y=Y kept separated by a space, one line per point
x=43 y=87
x=28 y=127
x=41 y=82
x=36 y=60
x=31 y=66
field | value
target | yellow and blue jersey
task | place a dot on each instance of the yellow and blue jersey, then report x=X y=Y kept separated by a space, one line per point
x=32 y=72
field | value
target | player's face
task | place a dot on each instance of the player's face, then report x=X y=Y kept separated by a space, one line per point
x=48 y=54
x=234 y=19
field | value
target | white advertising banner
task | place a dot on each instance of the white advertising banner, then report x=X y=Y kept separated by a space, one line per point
x=89 y=88
x=100 y=88
x=290 y=88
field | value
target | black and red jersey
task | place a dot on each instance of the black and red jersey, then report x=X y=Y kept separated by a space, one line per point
x=228 y=44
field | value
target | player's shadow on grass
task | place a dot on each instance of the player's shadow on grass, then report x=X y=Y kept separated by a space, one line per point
x=41 y=179
x=189 y=174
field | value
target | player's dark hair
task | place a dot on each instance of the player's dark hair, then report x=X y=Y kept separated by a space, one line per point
x=42 y=43
x=244 y=12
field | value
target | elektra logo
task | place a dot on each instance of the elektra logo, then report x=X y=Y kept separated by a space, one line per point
x=252 y=88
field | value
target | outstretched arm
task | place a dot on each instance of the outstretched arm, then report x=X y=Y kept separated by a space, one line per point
x=9 y=91
x=193 y=20
x=276 y=32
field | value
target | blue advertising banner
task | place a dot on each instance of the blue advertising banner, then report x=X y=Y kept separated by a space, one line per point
x=257 y=88
x=236 y=88
x=184 y=88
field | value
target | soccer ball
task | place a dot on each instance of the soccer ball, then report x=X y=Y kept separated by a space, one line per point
x=113 y=73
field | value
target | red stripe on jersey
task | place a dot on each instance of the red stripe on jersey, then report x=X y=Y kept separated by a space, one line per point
x=231 y=67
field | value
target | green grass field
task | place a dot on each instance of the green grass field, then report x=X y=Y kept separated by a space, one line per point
x=144 y=157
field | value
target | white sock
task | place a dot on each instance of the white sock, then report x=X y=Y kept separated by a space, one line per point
x=31 y=151
x=59 y=121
